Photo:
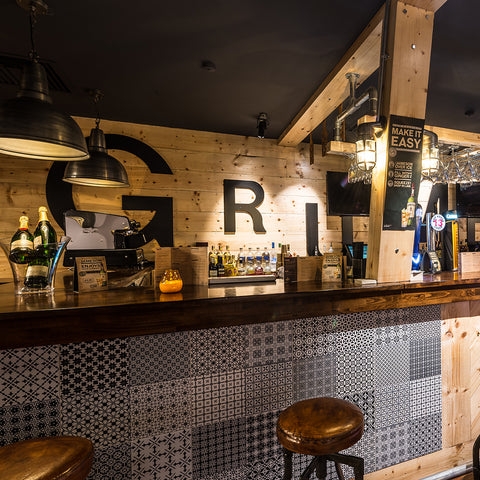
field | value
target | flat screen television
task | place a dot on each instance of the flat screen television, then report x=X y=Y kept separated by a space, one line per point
x=468 y=200
x=345 y=198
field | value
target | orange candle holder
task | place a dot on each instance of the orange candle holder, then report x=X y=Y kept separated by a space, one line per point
x=171 y=281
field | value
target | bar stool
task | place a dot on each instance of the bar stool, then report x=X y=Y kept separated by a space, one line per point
x=321 y=427
x=49 y=458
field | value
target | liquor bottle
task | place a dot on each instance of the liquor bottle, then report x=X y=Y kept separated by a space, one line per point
x=241 y=265
x=220 y=266
x=250 y=270
x=37 y=273
x=411 y=206
x=212 y=263
x=266 y=262
x=273 y=259
x=258 y=262
x=21 y=245
x=228 y=263
x=44 y=237
x=330 y=250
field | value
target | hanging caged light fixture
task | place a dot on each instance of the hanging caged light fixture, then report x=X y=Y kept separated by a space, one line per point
x=101 y=169
x=30 y=126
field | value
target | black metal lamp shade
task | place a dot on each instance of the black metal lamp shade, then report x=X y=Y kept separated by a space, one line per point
x=31 y=127
x=100 y=170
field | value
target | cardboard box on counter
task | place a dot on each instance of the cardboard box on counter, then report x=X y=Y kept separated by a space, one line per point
x=302 y=269
x=192 y=263
x=469 y=262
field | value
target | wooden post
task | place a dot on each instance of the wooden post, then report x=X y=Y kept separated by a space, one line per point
x=405 y=94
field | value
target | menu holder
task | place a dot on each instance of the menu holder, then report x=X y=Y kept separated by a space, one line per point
x=332 y=267
x=192 y=262
x=90 y=274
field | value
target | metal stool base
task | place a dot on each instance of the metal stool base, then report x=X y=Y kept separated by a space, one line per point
x=319 y=466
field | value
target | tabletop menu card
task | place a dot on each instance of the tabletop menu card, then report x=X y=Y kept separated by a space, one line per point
x=90 y=273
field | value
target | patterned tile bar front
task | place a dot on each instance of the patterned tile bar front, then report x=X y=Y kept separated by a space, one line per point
x=202 y=405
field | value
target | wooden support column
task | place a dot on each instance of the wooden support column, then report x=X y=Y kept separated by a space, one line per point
x=405 y=93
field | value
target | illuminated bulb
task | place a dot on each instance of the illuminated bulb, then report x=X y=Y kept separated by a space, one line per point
x=366 y=156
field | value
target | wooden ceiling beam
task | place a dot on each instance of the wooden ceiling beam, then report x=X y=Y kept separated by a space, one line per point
x=363 y=57
x=430 y=5
x=455 y=137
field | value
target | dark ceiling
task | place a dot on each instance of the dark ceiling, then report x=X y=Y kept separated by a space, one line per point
x=270 y=56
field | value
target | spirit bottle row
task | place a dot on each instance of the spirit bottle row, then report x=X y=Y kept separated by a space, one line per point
x=246 y=261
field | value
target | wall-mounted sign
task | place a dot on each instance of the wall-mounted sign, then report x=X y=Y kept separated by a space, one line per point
x=404 y=169
x=437 y=222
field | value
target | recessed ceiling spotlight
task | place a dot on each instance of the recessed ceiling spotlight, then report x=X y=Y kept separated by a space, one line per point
x=469 y=112
x=208 y=65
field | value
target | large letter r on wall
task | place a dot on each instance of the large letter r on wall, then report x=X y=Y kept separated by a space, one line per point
x=230 y=207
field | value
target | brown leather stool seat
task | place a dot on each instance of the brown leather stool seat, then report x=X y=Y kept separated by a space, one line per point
x=321 y=427
x=49 y=458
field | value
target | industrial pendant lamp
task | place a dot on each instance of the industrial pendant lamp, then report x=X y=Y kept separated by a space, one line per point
x=101 y=169
x=30 y=126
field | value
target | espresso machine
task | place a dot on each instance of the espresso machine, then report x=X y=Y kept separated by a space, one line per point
x=101 y=234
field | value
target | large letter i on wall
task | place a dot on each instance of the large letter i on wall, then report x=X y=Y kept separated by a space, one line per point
x=231 y=207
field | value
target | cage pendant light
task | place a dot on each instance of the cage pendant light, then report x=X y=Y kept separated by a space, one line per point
x=30 y=126
x=101 y=169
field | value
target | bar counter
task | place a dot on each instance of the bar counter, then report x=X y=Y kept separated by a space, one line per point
x=65 y=316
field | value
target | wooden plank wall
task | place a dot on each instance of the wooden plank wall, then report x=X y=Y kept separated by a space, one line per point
x=200 y=161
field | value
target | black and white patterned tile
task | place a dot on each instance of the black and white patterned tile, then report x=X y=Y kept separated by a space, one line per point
x=217 y=350
x=235 y=474
x=94 y=366
x=388 y=318
x=218 y=447
x=112 y=463
x=262 y=441
x=392 y=364
x=219 y=396
x=425 y=435
x=160 y=407
x=425 y=396
x=425 y=313
x=157 y=358
x=311 y=338
x=167 y=456
x=392 y=335
x=103 y=417
x=29 y=375
x=268 y=343
x=392 y=445
x=425 y=358
x=392 y=405
x=314 y=377
x=268 y=388
x=422 y=330
x=366 y=402
x=265 y=469
x=352 y=321
x=365 y=448
x=30 y=420
x=355 y=362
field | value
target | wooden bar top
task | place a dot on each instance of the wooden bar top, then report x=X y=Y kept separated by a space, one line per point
x=66 y=317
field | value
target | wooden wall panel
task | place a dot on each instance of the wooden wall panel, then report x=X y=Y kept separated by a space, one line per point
x=200 y=161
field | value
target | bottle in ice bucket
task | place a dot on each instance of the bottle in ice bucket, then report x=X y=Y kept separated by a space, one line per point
x=21 y=245
x=37 y=273
x=44 y=237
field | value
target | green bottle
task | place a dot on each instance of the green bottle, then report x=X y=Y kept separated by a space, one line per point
x=44 y=237
x=37 y=273
x=21 y=245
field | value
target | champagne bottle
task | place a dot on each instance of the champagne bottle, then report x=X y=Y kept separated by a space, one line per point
x=44 y=237
x=37 y=273
x=21 y=245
